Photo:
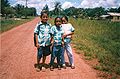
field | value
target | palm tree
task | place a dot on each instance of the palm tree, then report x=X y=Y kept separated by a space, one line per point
x=58 y=8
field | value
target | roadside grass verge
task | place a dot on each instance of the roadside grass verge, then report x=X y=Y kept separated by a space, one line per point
x=7 y=24
x=99 y=40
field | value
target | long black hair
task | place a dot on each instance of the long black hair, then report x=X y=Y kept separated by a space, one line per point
x=65 y=18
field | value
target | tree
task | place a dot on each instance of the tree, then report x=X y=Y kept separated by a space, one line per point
x=20 y=10
x=46 y=8
x=99 y=11
x=26 y=9
x=95 y=12
x=118 y=10
x=9 y=11
x=71 y=11
x=112 y=10
x=31 y=11
x=58 y=8
x=4 y=3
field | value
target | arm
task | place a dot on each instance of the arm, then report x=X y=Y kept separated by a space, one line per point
x=36 y=32
x=51 y=34
x=63 y=41
x=51 y=40
x=36 y=40
x=70 y=34
x=71 y=31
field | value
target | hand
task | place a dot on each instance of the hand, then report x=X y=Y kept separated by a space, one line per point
x=37 y=45
x=63 y=43
x=64 y=36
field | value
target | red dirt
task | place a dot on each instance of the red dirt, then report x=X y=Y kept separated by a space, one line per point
x=18 y=56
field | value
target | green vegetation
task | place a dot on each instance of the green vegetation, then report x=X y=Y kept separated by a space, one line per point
x=99 y=39
x=8 y=24
x=18 y=10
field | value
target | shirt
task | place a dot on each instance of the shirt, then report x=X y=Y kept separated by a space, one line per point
x=68 y=28
x=43 y=32
x=57 y=33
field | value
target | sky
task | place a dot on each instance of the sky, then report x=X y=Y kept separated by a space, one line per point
x=39 y=4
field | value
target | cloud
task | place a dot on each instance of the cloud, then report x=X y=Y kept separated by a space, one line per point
x=67 y=5
x=98 y=3
x=38 y=4
x=18 y=2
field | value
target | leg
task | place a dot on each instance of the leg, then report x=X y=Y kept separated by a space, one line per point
x=70 y=55
x=44 y=58
x=52 y=59
x=43 y=62
x=59 y=52
x=62 y=56
x=39 y=56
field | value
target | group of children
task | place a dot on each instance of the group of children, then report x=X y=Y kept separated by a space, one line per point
x=58 y=37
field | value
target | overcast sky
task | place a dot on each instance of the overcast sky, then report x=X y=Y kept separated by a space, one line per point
x=39 y=4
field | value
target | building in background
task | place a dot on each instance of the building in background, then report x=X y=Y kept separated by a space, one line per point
x=115 y=17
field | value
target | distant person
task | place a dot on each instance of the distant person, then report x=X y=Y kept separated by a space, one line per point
x=58 y=42
x=68 y=32
x=42 y=39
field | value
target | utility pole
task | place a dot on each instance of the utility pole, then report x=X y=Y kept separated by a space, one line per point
x=26 y=9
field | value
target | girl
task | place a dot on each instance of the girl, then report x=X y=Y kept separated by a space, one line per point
x=56 y=33
x=68 y=32
x=42 y=39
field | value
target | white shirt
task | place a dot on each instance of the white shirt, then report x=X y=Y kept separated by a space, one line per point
x=67 y=28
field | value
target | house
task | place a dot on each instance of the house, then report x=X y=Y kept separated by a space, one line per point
x=104 y=16
x=113 y=16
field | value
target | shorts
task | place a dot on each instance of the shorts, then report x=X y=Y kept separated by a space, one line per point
x=44 y=51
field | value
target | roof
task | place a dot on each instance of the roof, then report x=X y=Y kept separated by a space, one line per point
x=114 y=14
x=104 y=16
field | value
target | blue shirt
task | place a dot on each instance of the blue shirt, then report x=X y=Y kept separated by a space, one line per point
x=57 y=33
x=43 y=32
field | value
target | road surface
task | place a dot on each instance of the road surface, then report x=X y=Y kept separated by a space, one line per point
x=18 y=57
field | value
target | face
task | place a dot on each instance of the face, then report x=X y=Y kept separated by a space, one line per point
x=64 y=21
x=44 y=17
x=58 y=22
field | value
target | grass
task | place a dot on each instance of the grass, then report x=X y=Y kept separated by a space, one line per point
x=7 y=24
x=99 y=39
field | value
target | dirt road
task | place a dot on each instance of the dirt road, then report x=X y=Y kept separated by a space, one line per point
x=18 y=57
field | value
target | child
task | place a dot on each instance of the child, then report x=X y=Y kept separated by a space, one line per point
x=57 y=32
x=68 y=32
x=42 y=39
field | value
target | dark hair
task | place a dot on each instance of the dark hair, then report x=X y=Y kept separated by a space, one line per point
x=43 y=12
x=65 y=17
x=56 y=19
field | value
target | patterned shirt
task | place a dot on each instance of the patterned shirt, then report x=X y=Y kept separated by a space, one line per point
x=68 y=28
x=43 y=32
x=57 y=33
